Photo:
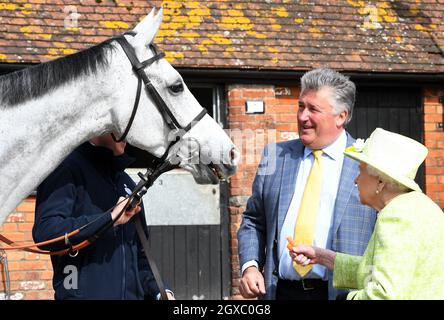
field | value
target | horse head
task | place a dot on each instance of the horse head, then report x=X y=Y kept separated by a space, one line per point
x=49 y=109
x=154 y=128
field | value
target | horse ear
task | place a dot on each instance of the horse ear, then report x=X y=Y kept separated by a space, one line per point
x=147 y=29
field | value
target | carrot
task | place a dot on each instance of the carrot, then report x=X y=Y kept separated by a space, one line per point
x=291 y=243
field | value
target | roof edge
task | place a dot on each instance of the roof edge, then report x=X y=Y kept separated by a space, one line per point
x=268 y=76
x=281 y=76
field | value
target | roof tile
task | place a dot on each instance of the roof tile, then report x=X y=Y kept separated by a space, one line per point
x=355 y=35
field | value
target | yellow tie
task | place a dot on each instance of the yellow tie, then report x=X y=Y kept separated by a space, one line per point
x=306 y=221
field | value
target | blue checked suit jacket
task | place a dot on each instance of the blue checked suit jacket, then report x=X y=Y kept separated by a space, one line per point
x=273 y=189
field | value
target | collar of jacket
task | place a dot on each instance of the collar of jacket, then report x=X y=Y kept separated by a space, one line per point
x=104 y=156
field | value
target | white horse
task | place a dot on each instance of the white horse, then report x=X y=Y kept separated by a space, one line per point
x=48 y=110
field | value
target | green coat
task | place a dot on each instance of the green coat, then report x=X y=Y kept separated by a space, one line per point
x=405 y=256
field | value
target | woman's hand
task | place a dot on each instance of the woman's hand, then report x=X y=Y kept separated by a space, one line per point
x=304 y=255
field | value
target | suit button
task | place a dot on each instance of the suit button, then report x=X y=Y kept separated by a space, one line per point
x=275 y=273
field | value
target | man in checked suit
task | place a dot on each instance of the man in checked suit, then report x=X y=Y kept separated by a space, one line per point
x=342 y=223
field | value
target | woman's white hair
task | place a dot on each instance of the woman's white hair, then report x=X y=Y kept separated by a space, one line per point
x=391 y=184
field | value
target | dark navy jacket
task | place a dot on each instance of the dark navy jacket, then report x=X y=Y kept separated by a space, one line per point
x=86 y=184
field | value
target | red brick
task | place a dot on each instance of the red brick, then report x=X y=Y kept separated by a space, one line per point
x=25 y=226
x=30 y=216
x=29 y=265
x=15 y=255
x=8 y=227
x=434 y=135
x=235 y=94
x=32 y=295
x=429 y=109
x=435 y=171
x=438 y=196
x=26 y=206
x=436 y=153
x=432 y=126
x=15 y=236
x=430 y=179
x=434 y=118
x=46 y=295
x=437 y=187
x=16 y=217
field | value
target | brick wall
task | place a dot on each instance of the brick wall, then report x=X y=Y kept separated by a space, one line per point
x=434 y=140
x=250 y=133
x=30 y=274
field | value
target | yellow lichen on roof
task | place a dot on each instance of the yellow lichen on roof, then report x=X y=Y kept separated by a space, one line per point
x=281 y=12
x=26 y=6
x=190 y=35
x=202 y=46
x=356 y=3
x=375 y=13
x=235 y=20
x=256 y=34
x=388 y=16
x=219 y=39
x=59 y=44
x=8 y=6
x=421 y=27
x=114 y=24
x=59 y=52
x=35 y=32
x=182 y=15
x=172 y=56
x=298 y=20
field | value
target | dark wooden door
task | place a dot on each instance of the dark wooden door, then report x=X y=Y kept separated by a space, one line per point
x=194 y=259
x=398 y=109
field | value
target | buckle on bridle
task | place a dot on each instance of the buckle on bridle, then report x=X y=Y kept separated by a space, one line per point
x=71 y=252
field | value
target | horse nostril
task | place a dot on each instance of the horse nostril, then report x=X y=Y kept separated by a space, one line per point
x=234 y=156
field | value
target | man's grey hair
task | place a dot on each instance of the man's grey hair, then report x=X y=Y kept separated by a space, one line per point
x=344 y=90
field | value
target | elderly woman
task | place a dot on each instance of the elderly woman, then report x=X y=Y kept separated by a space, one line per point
x=405 y=256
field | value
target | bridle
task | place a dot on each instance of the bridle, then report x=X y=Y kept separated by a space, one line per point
x=139 y=69
x=154 y=170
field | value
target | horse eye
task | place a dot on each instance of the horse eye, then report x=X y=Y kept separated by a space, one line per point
x=176 y=88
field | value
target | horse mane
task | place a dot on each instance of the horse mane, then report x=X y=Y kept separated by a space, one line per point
x=32 y=82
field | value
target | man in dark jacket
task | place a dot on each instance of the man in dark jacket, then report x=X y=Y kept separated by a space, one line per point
x=87 y=183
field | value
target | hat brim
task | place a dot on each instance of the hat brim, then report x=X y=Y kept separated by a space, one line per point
x=409 y=183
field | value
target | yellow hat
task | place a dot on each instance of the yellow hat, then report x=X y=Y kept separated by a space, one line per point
x=395 y=155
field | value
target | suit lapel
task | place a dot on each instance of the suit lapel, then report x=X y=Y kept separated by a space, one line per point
x=290 y=167
x=346 y=185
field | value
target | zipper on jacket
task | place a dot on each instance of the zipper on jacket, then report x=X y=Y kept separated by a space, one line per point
x=124 y=263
